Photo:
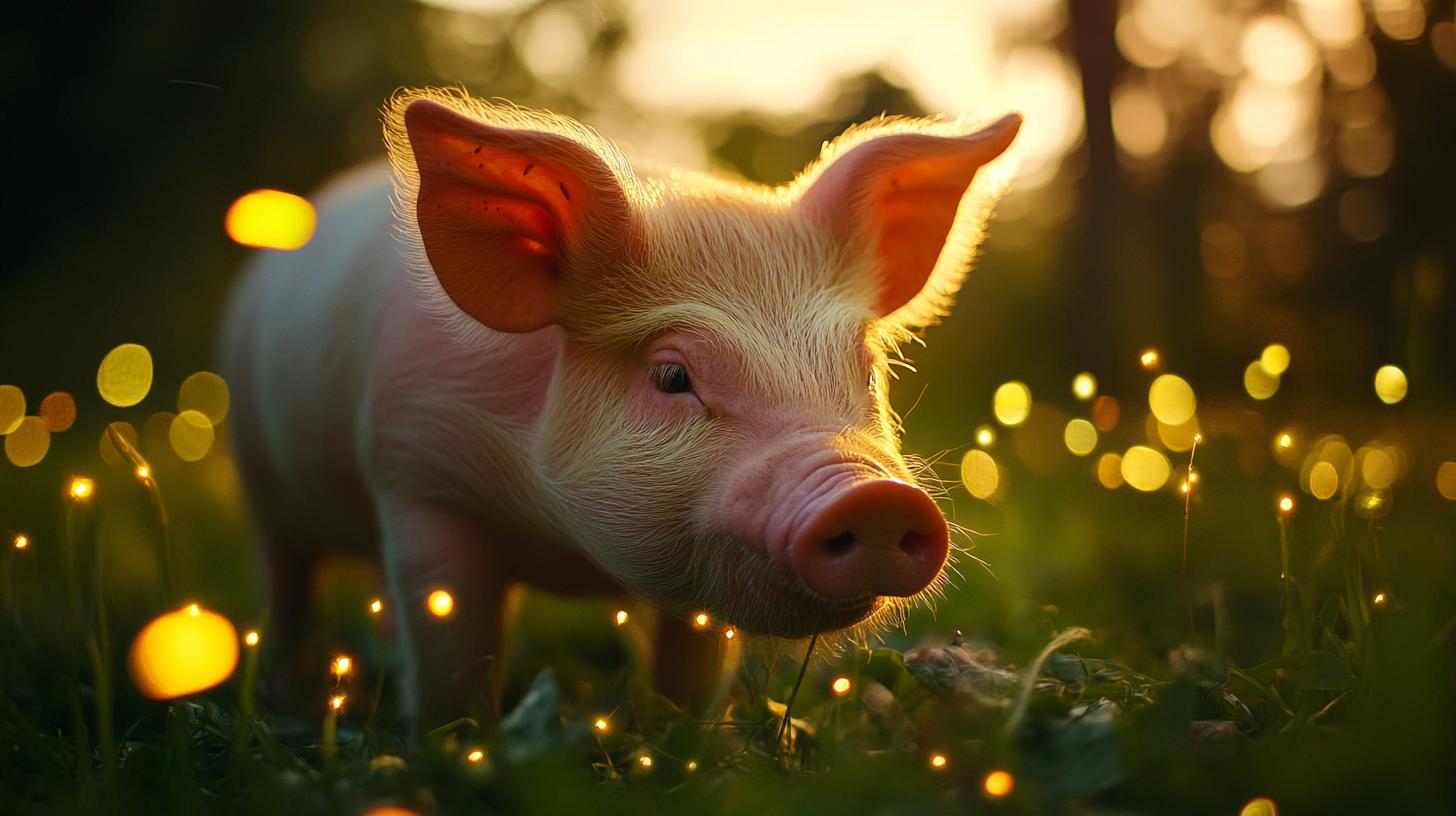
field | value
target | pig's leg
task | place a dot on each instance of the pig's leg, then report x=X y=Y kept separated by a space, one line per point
x=687 y=663
x=452 y=663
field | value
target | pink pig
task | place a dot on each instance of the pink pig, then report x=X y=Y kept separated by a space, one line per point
x=589 y=379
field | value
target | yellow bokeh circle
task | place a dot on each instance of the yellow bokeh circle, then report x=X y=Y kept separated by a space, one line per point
x=271 y=219
x=183 y=652
x=1446 y=480
x=1324 y=481
x=980 y=474
x=1390 y=384
x=1145 y=468
x=191 y=435
x=1172 y=399
x=1109 y=470
x=125 y=375
x=1260 y=384
x=12 y=408
x=58 y=411
x=205 y=392
x=1080 y=437
x=28 y=443
x=1012 y=403
x=1275 y=359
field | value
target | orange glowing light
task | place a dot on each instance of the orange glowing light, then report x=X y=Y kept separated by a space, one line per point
x=998 y=784
x=692 y=766
x=601 y=724
x=251 y=638
x=144 y=473
x=1286 y=504
x=271 y=219
x=938 y=761
x=183 y=652
x=841 y=686
x=1379 y=599
x=22 y=542
x=81 y=488
x=440 y=603
x=342 y=666
x=729 y=633
x=1149 y=358
x=376 y=606
x=1262 y=806
x=1285 y=440
x=645 y=761
x=1183 y=488
x=475 y=757
x=391 y=810
x=700 y=620
x=621 y=617
x=337 y=701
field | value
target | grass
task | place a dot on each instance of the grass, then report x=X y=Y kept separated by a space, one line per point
x=1352 y=711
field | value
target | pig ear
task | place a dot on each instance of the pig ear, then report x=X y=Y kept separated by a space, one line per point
x=499 y=209
x=899 y=194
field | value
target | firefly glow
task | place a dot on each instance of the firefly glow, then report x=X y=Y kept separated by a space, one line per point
x=183 y=652
x=729 y=633
x=342 y=666
x=1149 y=358
x=645 y=761
x=622 y=617
x=601 y=724
x=337 y=701
x=440 y=603
x=251 y=638
x=271 y=219
x=1286 y=505
x=1084 y=386
x=841 y=686
x=998 y=784
x=692 y=766
x=938 y=761
x=376 y=606
x=700 y=620
x=81 y=488
x=1285 y=440
x=475 y=757
x=21 y=542
x=985 y=436
x=1379 y=599
x=144 y=473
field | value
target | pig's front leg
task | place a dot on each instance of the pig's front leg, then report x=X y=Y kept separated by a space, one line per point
x=452 y=661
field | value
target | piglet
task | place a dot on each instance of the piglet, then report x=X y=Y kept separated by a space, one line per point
x=511 y=358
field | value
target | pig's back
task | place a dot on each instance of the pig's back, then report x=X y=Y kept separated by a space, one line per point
x=297 y=343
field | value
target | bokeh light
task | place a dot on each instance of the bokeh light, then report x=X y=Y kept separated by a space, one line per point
x=1377 y=467
x=1171 y=399
x=1080 y=437
x=191 y=435
x=1145 y=469
x=1286 y=504
x=21 y=541
x=205 y=392
x=621 y=617
x=1324 y=482
x=700 y=620
x=58 y=411
x=985 y=436
x=1446 y=480
x=1390 y=384
x=1261 y=806
x=183 y=652
x=1012 y=403
x=125 y=375
x=475 y=757
x=841 y=686
x=1105 y=413
x=251 y=637
x=1259 y=383
x=938 y=761
x=28 y=442
x=342 y=667
x=109 y=454
x=271 y=219
x=1109 y=470
x=1275 y=359
x=440 y=603
x=980 y=474
x=998 y=784
x=376 y=606
x=12 y=408
x=1084 y=386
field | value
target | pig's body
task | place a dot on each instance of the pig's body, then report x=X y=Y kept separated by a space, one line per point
x=531 y=365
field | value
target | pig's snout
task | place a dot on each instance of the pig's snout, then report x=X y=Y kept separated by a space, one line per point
x=877 y=537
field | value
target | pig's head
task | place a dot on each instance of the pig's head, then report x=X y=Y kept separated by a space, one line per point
x=718 y=433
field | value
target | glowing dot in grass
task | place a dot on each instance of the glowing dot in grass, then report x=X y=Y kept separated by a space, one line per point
x=1285 y=440
x=12 y=408
x=730 y=633
x=81 y=488
x=1275 y=359
x=1377 y=468
x=1446 y=480
x=1145 y=469
x=271 y=219
x=938 y=761
x=700 y=620
x=601 y=724
x=251 y=638
x=1286 y=504
x=1262 y=806
x=143 y=472
x=28 y=443
x=1172 y=399
x=1149 y=358
x=337 y=701
x=621 y=617
x=1323 y=480
x=1109 y=470
x=191 y=435
x=1012 y=403
x=998 y=784
x=440 y=603
x=985 y=436
x=1390 y=384
x=21 y=542
x=1184 y=487
x=391 y=810
x=125 y=375
x=207 y=393
x=1084 y=386
x=645 y=761
x=1260 y=384
x=980 y=474
x=342 y=667
x=1105 y=413
x=376 y=606
x=1379 y=599
x=692 y=766
x=57 y=411
x=1080 y=437
x=475 y=757
x=841 y=686
x=183 y=652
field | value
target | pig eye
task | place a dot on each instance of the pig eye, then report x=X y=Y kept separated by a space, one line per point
x=671 y=378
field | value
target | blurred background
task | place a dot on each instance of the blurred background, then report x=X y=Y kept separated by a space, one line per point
x=1205 y=180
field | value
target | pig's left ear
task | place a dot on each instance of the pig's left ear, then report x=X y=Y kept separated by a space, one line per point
x=898 y=195
x=502 y=211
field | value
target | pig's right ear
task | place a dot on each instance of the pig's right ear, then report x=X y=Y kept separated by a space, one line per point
x=500 y=209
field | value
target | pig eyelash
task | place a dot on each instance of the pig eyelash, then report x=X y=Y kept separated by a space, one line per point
x=672 y=378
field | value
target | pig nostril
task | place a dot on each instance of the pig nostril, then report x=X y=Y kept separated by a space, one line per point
x=913 y=544
x=840 y=544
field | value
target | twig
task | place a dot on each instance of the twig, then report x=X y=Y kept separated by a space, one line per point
x=1066 y=638
x=793 y=695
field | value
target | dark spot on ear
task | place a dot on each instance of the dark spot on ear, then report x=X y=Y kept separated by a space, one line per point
x=477 y=148
x=564 y=191
x=528 y=169
x=894 y=182
x=480 y=167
